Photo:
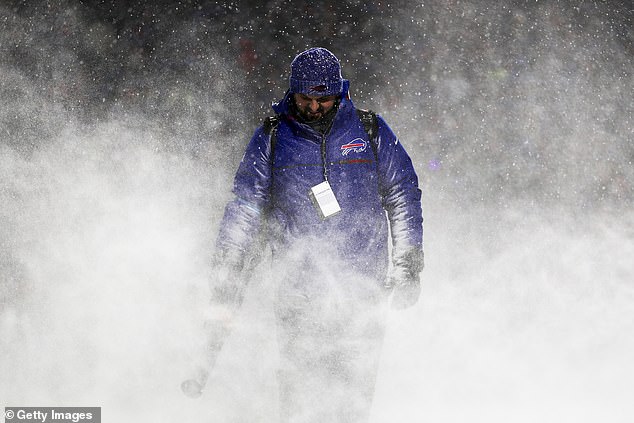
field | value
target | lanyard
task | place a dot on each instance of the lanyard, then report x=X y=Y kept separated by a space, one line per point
x=323 y=150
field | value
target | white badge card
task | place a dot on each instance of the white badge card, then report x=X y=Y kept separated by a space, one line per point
x=324 y=200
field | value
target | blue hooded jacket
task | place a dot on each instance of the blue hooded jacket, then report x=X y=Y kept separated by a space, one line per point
x=368 y=178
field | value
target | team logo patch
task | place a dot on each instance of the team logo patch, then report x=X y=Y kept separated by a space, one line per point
x=319 y=88
x=358 y=145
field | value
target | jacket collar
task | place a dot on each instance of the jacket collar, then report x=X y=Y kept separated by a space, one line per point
x=284 y=108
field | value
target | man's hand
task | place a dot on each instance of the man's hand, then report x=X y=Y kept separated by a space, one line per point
x=404 y=280
x=405 y=293
x=227 y=283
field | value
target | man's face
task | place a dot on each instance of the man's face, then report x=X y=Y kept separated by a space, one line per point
x=312 y=107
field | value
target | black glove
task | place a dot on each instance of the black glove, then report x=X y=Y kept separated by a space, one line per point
x=405 y=293
x=404 y=281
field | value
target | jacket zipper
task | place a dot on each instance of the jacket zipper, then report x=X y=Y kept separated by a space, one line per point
x=323 y=156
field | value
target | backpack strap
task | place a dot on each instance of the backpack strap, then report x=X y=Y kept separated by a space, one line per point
x=369 y=121
x=270 y=123
x=370 y=125
x=270 y=128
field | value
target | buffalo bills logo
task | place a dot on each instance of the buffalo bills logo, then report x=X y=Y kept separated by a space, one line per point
x=358 y=145
x=318 y=88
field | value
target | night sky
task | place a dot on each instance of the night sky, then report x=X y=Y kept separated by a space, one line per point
x=122 y=125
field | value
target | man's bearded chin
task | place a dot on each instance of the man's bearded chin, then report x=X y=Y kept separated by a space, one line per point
x=308 y=116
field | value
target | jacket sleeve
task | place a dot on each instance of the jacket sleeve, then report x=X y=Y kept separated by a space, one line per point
x=401 y=198
x=242 y=218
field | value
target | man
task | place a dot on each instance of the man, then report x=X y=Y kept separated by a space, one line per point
x=322 y=181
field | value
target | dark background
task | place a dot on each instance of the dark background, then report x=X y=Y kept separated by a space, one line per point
x=453 y=74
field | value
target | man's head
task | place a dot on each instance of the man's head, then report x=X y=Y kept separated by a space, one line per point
x=316 y=83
